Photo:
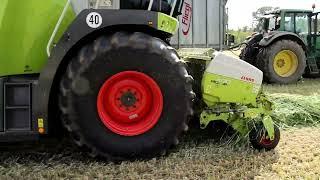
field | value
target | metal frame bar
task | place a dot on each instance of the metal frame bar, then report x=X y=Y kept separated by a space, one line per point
x=97 y=4
x=150 y=5
x=54 y=33
x=192 y=23
x=207 y=26
x=173 y=7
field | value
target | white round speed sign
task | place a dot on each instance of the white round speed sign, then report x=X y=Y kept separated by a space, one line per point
x=94 y=20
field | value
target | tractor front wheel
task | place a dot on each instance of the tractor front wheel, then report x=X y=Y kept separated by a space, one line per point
x=125 y=96
x=283 y=62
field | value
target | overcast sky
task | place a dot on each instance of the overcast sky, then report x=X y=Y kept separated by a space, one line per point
x=240 y=11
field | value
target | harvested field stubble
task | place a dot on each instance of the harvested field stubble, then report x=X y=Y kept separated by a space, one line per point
x=297 y=156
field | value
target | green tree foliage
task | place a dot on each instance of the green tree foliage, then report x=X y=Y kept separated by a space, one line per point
x=241 y=34
x=262 y=11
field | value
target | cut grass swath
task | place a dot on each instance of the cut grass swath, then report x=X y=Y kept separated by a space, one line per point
x=296 y=110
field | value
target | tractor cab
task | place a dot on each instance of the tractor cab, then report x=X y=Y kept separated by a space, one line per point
x=289 y=20
x=269 y=22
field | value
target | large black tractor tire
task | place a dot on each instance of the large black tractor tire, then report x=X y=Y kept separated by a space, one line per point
x=248 y=54
x=145 y=73
x=250 y=51
x=267 y=56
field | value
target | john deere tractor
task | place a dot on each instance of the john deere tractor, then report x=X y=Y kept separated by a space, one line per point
x=286 y=46
x=106 y=72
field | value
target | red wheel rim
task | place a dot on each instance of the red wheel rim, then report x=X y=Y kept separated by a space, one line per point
x=130 y=103
x=265 y=140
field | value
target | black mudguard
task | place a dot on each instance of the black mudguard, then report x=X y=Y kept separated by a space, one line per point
x=78 y=34
x=277 y=35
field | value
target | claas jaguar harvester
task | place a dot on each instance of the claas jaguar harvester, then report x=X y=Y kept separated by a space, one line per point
x=106 y=71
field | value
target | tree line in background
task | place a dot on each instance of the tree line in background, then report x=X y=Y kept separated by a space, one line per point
x=242 y=33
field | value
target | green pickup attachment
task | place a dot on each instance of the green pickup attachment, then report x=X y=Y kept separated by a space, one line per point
x=240 y=117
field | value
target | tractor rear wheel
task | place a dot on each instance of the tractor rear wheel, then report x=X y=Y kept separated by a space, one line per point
x=283 y=62
x=126 y=96
x=248 y=54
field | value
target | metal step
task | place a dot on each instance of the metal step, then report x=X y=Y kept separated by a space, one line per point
x=312 y=65
x=16 y=123
x=17 y=107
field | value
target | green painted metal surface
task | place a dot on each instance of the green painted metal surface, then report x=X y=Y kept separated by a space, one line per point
x=167 y=23
x=220 y=89
x=242 y=118
x=190 y=54
x=25 y=29
x=238 y=103
x=268 y=124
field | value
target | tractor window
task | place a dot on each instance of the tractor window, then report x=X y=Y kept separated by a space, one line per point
x=274 y=23
x=301 y=23
x=289 y=22
x=313 y=19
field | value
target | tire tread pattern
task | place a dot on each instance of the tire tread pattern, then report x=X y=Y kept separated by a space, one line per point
x=107 y=43
x=267 y=54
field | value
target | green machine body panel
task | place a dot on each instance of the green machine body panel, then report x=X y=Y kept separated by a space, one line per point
x=25 y=29
x=227 y=89
x=231 y=90
x=167 y=23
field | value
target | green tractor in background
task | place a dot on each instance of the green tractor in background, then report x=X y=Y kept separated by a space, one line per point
x=106 y=72
x=286 y=47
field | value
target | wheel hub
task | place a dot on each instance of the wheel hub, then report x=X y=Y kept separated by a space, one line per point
x=285 y=63
x=128 y=99
x=280 y=63
x=130 y=103
x=265 y=140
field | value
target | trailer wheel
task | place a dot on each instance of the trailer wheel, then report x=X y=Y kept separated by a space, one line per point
x=283 y=62
x=260 y=140
x=126 y=96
